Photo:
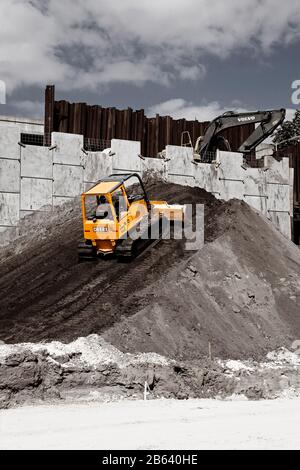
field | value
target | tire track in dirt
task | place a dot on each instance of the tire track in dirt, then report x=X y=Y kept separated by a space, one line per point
x=46 y=294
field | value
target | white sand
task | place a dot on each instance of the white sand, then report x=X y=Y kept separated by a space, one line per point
x=160 y=424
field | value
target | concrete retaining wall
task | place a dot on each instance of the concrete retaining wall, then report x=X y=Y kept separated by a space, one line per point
x=37 y=178
x=268 y=189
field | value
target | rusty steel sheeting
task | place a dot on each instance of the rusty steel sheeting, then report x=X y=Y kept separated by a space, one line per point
x=155 y=133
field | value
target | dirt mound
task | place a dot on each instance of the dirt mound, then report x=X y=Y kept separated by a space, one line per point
x=240 y=293
x=237 y=297
x=47 y=295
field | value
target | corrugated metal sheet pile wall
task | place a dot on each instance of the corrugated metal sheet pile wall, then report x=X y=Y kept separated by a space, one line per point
x=155 y=133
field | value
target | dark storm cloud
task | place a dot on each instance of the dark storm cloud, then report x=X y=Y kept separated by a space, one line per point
x=186 y=57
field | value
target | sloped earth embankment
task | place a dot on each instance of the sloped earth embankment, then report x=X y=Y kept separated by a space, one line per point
x=236 y=298
x=239 y=296
x=47 y=295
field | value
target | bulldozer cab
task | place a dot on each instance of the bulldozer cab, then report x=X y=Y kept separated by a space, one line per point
x=112 y=207
x=117 y=192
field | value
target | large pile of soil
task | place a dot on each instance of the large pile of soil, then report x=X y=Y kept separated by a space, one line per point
x=240 y=293
x=237 y=297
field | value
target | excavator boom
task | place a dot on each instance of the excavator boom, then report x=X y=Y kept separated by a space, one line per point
x=269 y=121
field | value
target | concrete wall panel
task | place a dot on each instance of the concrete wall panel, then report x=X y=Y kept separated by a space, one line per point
x=255 y=182
x=282 y=222
x=36 y=162
x=258 y=203
x=230 y=175
x=179 y=165
x=97 y=165
x=125 y=158
x=230 y=189
x=9 y=209
x=156 y=166
x=255 y=189
x=9 y=175
x=278 y=197
x=231 y=165
x=206 y=176
x=28 y=126
x=35 y=194
x=9 y=138
x=68 y=180
x=183 y=180
x=278 y=171
x=68 y=150
x=180 y=159
x=58 y=201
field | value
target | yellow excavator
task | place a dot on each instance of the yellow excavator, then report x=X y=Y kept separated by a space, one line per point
x=120 y=220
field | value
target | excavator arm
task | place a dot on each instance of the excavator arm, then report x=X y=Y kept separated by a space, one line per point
x=269 y=121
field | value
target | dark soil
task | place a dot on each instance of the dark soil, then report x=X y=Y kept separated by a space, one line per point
x=46 y=294
x=240 y=293
x=238 y=297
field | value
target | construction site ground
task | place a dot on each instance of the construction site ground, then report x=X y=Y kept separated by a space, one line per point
x=160 y=424
x=172 y=317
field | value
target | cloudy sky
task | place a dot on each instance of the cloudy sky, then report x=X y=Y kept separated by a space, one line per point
x=186 y=58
